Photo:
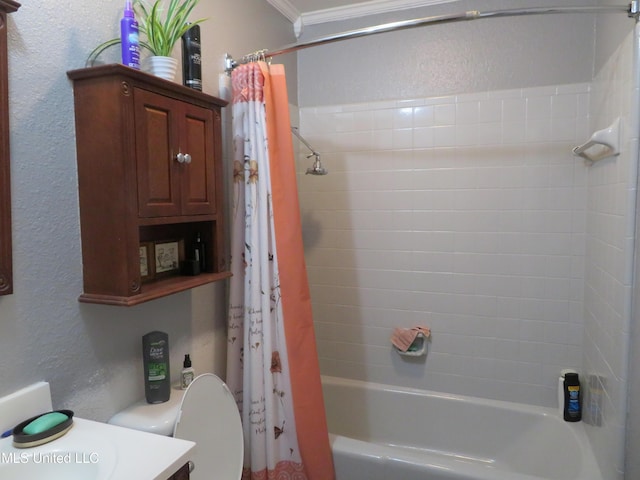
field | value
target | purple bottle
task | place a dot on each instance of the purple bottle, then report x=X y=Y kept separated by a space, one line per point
x=129 y=38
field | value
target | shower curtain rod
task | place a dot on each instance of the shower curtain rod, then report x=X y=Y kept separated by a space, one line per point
x=632 y=9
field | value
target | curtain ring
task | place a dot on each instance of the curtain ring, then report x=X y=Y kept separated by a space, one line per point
x=257 y=56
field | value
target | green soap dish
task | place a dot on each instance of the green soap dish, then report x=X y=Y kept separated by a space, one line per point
x=42 y=428
x=417 y=348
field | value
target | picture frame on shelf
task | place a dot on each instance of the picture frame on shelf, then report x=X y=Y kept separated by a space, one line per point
x=147 y=269
x=167 y=255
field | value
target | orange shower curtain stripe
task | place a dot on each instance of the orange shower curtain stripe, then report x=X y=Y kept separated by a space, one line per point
x=313 y=437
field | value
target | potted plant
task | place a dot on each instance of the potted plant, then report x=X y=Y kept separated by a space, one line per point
x=160 y=28
x=163 y=29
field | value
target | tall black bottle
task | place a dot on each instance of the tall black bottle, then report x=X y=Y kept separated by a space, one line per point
x=200 y=252
x=572 y=400
x=191 y=59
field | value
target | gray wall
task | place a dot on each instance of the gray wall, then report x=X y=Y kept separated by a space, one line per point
x=89 y=353
x=447 y=59
x=610 y=33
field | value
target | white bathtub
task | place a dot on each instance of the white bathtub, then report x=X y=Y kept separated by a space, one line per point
x=380 y=432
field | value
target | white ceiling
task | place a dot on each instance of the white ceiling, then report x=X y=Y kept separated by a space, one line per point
x=309 y=12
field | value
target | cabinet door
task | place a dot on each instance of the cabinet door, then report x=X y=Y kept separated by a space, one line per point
x=198 y=177
x=156 y=150
x=182 y=474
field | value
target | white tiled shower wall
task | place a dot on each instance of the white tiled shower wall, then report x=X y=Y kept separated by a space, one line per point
x=463 y=213
x=468 y=213
x=611 y=197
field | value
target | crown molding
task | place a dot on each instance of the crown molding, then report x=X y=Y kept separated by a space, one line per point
x=362 y=9
x=372 y=7
x=286 y=8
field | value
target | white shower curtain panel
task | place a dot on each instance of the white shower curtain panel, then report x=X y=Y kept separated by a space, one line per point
x=258 y=369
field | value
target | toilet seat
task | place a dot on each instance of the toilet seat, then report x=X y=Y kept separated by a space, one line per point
x=208 y=415
x=205 y=413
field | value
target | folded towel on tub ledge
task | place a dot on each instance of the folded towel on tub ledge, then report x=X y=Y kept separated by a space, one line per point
x=402 y=338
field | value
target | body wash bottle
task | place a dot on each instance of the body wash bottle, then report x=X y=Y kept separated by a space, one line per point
x=155 y=354
x=129 y=38
x=572 y=400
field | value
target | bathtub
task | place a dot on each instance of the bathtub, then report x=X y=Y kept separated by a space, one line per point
x=381 y=432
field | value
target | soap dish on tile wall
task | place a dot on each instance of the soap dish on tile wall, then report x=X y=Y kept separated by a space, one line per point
x=418 y=347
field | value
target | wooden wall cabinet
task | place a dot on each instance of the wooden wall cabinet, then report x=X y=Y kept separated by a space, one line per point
x=149 y=170
x=6 y=263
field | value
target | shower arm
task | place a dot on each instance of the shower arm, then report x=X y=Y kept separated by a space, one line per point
x=313 y=153
x=317 y=168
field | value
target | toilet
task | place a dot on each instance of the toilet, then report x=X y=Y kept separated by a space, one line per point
x=205 y=413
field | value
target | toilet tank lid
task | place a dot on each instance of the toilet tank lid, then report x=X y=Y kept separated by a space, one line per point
x=159 y=418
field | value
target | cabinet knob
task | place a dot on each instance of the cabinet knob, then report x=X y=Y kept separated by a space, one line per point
x=183 y=158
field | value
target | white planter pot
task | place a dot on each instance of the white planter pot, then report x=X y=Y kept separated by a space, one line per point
x=163 y=67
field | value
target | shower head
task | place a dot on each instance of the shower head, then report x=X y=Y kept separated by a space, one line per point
x=317 y=168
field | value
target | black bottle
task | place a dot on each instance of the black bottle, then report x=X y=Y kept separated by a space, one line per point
x=191 y=59
x=572 y=401
x=199 y=253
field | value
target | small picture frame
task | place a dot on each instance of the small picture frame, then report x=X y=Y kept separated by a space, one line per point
x=146 y=265
x=167 y=255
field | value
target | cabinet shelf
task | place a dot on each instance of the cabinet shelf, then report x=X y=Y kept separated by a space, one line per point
x=176 y=220
x=156 y=289
x=149 y=175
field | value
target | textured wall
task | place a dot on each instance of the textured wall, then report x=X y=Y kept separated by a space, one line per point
x=92 y=354
x=448 y=59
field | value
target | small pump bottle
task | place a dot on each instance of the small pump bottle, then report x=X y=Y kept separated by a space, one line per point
x=186 y=377
x=129 y=38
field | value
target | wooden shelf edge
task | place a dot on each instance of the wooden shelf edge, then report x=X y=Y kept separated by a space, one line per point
x=153 y=221
x=158 y=289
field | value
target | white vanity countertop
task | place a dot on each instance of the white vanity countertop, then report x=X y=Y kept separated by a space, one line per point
x=97 y=451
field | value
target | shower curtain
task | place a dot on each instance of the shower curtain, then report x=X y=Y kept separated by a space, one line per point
x=272 y=363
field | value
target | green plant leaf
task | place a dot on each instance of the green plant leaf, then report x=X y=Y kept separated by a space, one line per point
x=96 y=52
x=163 y=34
